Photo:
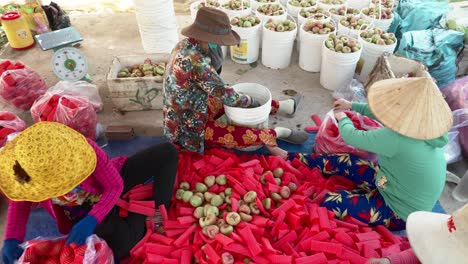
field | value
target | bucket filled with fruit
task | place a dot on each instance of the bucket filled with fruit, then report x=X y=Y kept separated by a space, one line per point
x=313 y=33
x=274 y=12
x=256 y=3
x=339 y=13
x=375 y=42
x=380 y=17
x=248 y=28
x=383 y=3
x=195 y=6
x=316 y=14
x=352 y=26
x=237 y=8
x=358 y=4
x=340 y=55
x=295 y=6
x=278 y=43
x=329 y=4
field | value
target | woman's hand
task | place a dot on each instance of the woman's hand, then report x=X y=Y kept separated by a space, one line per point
x=82 y=230
x=342 y=104
x=11 y=251
x=339 y=115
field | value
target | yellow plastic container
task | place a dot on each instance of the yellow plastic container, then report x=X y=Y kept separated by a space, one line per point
x=17 y=31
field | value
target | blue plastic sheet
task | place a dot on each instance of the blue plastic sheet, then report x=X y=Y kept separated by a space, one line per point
x=435 y=48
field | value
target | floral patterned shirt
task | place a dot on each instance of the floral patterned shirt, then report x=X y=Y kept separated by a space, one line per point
x=189 y=80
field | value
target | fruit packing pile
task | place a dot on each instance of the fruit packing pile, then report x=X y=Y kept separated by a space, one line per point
x=378 y=36
x=245 y=21
x=237 y=5
x=280 y=26
x=329 y=140
x=343 y=11
x=55 y=252
x=9 y=124
x=342 y=44
x=302 y=3
x=385 y=3
x=147 y=69
x=271 y=9
x=20 y=86
x=317 y=27
x=76 y=112
x=241 y=209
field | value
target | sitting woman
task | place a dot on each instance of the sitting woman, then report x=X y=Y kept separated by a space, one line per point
x=410 y=173
x=194 y=93
x=53 y=164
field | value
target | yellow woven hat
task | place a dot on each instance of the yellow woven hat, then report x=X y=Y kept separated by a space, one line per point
x=413 y=107
x=56 y=158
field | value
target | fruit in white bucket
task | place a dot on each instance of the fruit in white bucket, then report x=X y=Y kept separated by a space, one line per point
x=302 y=3
x=343 y=11
x=236 y=5
x=378 y=36
x=342 y=44
x=280 y=26
x=355 y=23
x=384 y=3
x=385 y=13
x=208 y=3
x=271 y=9
x=317 y=27
x=318 y=13
x=265 y=1
x=333 y=2
x=245 y=21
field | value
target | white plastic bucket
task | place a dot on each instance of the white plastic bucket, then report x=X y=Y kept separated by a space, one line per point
x=248 y=49
x=310 y=57
x=328 y=7
x=336 y=18
x=237 y=13
x=337 y=69
x=265 y=18
x=358 y=4
x=302 y=19
x=256 y=4
x=277 y=48
x=346 y=31
x=256 y=117
x=294 y=10
x=370 y=53
x=224 y=49
x=383 y=24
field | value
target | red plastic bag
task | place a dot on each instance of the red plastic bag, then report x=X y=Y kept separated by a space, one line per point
x=329 y=140
x=47 y=250
x=456 y=94
x=21 y=87
x=9 y=124
x=76 y=112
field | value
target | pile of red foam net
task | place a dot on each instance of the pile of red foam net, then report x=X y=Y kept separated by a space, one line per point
x=293 y=230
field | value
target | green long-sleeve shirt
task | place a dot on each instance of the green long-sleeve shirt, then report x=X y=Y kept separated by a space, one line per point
x=414 y=169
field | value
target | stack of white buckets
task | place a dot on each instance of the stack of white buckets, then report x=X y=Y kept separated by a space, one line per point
x=158 y=26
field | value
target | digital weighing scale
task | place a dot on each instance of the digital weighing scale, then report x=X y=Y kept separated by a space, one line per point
x=68 y=63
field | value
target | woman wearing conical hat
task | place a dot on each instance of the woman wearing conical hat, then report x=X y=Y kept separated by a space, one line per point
x=410 y=173
x=52 y=164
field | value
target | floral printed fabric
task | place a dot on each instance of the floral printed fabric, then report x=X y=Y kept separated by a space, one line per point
x=218 y=134
x=77 y=203
x=365 y=203
x=189 y=80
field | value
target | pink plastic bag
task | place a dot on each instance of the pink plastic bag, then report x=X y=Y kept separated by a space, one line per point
x=79 y=88
x=76 y=112
x=53 y=250
x=456 y=94
x=21 y=87
x=9 y=124
x=329 y=140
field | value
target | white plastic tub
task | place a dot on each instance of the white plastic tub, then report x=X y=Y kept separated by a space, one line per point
x=277 y=48
x=248 y=49
x=256 y=4
x=301 y=19
x=294 y=10
x=370 y=53
x=310 y=56
x=328 y=7
x=337 y=69
x=383 y=24
x=358 y=4
x=265 y=18
x=354 y=33
x=245 y=11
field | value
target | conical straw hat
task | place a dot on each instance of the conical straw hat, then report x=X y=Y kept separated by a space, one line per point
x=413 y=107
